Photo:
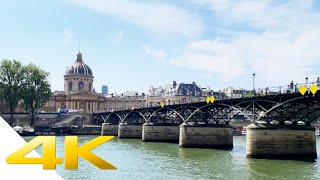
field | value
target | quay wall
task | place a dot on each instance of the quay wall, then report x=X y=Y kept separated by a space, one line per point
x=22 y=119
x=89 y=130
x=45 y=119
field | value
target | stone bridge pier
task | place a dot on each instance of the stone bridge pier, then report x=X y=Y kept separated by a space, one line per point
x=130 y=131
x=160 y=132
x=281 y=143
x=218 y=136
x=109 y=129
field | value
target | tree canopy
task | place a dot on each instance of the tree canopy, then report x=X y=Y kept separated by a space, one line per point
x=36 y=89
x=11 y=78
x=28 y=83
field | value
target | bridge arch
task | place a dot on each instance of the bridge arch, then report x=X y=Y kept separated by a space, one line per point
x=165 y=108
x=113 y=113
x=221 y=104
x=131 y=112
x=99 y=116
x=281 y=104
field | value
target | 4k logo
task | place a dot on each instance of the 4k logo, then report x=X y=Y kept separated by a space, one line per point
x=71 y=149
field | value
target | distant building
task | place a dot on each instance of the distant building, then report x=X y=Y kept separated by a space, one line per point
x=180 y=93
x=183 y=89
x=78 y=90
x=188 y=90
x=234 y=92
x=104 y=89
x=79 y=93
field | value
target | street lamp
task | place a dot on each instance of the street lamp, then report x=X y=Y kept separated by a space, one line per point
x=254 y=91
x=253 y=103
x=307 y=80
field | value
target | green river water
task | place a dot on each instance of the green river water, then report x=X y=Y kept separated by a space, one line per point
x=145 y=160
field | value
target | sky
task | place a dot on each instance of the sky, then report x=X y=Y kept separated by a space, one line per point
x=133 y=44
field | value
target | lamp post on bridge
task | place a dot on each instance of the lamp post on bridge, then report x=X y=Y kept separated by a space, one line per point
x=254 y=94
x=254 y=91
x=306 y=80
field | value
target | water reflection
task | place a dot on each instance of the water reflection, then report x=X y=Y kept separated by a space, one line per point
x=147 y=160
x=280 y=169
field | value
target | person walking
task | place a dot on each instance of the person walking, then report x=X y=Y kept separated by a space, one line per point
x=291 y=87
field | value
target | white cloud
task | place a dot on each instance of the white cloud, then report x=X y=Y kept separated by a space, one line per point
x=260 y=14
x=155 y=54
x=284 y=48
x=274 y=57
x=156 y=17
x=117 y=37
x=67 y=35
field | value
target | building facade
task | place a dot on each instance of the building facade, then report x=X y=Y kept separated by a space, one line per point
x=234 y=92
x=78 y=91
x=180 y=93
x=79 y=94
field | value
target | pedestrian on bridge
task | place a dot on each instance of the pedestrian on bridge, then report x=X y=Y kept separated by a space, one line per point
x=291 y=86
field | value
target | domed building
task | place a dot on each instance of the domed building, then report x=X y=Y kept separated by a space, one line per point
x=78 y=90
x=78 y=77
x=79 y=93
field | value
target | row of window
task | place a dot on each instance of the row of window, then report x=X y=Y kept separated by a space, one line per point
x=76 y=79
x=80 y=86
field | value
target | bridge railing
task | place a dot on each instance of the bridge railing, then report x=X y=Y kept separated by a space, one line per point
x=275 y=90
x=286 y=89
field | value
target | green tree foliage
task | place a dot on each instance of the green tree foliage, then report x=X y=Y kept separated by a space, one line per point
x=36 y=89
x=11 y=78
x=249 y=94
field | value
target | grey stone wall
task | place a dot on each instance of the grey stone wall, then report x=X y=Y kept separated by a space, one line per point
x=266 y=142
x=200 y=136
x=89 y=130
x=22 y=119
x=160 y=133
x=129 y=131
x=25 y=119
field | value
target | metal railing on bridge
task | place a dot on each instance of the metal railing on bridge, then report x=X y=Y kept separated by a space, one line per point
x=267 y=91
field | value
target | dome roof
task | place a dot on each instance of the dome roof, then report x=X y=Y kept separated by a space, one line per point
x=79 y=68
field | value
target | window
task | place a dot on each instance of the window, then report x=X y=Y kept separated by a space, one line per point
x=90 y=86
x=70 y=86
x=81 y=85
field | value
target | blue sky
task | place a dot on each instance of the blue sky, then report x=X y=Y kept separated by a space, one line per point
x=131 y=45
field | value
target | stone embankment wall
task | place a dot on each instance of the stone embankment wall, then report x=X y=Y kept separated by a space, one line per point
x=89 y=130
x=22 y=119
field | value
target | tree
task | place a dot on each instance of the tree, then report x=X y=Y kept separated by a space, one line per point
x=11 y=77
x=249 y=94
x=36 y=89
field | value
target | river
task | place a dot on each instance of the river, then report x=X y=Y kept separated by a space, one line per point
x=145 y=160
